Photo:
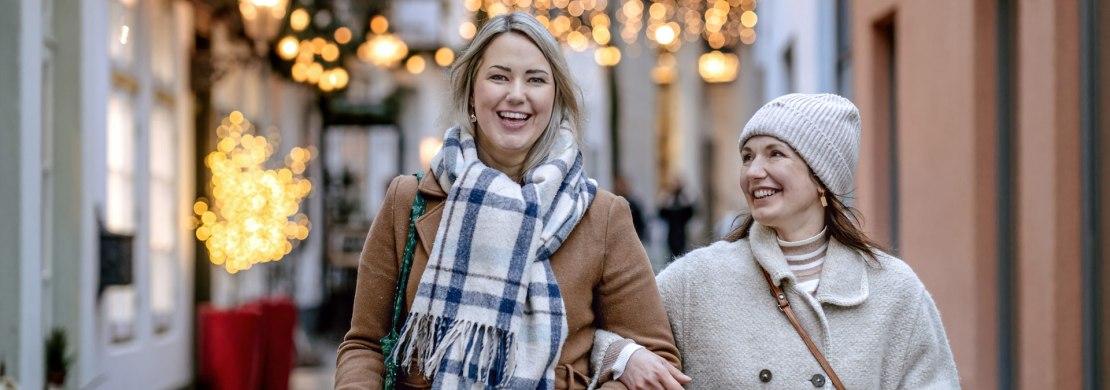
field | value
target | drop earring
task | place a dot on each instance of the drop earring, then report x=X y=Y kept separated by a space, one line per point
x=821 y=194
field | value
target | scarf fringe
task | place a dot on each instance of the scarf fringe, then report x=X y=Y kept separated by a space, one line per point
x=431 y=339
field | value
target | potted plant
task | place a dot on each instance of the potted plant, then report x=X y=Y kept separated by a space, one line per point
x=57 y=361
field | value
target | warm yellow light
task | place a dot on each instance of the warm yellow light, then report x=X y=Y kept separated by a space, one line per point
x=306 y=53
x=664 y=71
x=747 y=36
x=657 y=11
x=472 y=5
x=300 y=72
x=288 y=47
x=601 y=35
x=343 y=35
x=577 y=41
x=330 y=53
x=341 y=78
x=575 y=8
x=383 y=50
x=248 y=11
x=298 y=20
x=326 y=84
x=444 y=57
x=665 y=34
x=467 y=30
x=561 y=24
x=749 y=19
x=429 y=146
x=315 y=70
x=497 y=8
x=379 y=24
x=600 y=20
x=415 y=64
x=247 y=221
x=716 y=40
x=607 y=56
x=718 y=67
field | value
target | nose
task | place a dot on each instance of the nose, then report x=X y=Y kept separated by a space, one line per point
x=516 y=92
x=754 y=170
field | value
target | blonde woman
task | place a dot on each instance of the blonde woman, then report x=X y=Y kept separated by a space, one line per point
x=520 y=256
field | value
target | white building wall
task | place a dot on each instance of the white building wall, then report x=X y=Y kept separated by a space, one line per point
x=808 y=29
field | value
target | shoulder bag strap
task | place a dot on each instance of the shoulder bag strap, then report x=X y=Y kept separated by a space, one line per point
x=390 y=340
x=784 y=306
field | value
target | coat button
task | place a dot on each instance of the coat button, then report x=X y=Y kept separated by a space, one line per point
x=765 y=375
x=818 y=380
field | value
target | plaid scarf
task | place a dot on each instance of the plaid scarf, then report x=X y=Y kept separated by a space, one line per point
x=488 y=312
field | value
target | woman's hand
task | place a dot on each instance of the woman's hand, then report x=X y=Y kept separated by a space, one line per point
x=646 y=370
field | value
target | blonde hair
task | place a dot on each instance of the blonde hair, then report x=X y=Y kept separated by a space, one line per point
x=566 y=107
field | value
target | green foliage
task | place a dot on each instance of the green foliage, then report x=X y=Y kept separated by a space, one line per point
x=56 y=345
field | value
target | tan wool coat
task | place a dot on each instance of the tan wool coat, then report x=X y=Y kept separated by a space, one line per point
x=602 y=270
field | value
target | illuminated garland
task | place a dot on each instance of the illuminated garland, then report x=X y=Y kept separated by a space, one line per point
x=249 y=219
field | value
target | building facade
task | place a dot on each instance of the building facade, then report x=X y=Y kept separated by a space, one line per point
x=982 y=167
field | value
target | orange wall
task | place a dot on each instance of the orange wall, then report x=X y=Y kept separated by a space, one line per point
x=1049 y=313
x=946 y=154
x=946 y=114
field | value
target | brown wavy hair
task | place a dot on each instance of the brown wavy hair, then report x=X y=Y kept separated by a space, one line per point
x=843 y=222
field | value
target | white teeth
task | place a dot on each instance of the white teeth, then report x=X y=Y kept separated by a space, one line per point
x=763 y=193
x=513 y=115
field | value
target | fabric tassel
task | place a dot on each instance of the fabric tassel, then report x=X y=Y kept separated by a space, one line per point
x=488 y=348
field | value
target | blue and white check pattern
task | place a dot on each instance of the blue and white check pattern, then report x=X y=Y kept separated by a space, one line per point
x=488 y=312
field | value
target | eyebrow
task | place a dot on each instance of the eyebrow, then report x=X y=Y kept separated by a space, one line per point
x=768 y=146
x=529 y=71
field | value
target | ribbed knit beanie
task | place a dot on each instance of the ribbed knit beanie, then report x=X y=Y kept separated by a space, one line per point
x=823 y=128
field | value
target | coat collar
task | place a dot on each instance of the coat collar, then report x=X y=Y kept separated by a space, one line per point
x=428 y=224
x=843 y=276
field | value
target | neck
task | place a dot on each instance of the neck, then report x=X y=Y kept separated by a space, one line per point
x=511 y=167
x=800 y=231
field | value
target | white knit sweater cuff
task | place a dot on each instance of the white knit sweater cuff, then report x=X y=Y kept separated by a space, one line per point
x=622 y=359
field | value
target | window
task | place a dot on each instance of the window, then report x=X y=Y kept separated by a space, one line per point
x=120 y=214
x=844 y=48
x=165 y=270
x=163 y=219
x=886 y=139
x=120 y=301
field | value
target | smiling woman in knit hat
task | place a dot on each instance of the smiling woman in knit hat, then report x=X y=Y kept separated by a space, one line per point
x=870 y=320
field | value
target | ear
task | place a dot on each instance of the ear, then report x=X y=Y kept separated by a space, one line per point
x=817 y=182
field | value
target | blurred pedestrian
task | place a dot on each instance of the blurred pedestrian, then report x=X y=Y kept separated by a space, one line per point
x=867 y=320
x=519 y=257
x=623 y=189
x=676 y=209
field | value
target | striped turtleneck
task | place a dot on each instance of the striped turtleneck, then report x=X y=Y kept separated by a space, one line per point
x=805 y=258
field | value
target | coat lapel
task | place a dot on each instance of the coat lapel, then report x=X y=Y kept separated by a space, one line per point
x=428 y=224
x=843 y=276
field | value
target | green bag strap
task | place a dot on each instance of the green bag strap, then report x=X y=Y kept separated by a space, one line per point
x=390 y=341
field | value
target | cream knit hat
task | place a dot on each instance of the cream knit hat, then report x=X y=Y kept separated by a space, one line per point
x=823 y=128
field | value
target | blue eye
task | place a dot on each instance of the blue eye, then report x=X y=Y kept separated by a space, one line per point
x=498 y=77
x=538 y=80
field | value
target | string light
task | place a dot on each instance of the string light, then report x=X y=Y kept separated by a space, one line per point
x=254 y=214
